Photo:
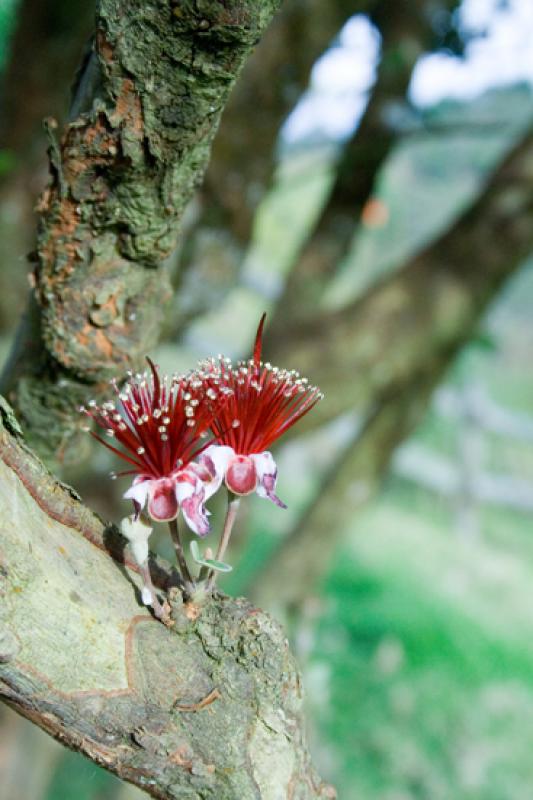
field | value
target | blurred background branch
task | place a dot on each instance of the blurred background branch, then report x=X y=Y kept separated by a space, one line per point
x=43 y=57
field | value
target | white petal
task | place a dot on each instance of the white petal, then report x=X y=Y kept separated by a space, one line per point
x=264 y=464
x=191 y=497
x=187 y=484
x=137 y=532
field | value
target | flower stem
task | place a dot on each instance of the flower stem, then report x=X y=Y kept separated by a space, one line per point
x=180 y=555
x=231 y=514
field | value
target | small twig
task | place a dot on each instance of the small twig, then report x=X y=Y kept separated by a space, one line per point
x=231 y=514
x=213 y=695
x=180 y=555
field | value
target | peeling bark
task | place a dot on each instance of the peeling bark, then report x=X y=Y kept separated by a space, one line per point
x=147 y=106
x=211 y=708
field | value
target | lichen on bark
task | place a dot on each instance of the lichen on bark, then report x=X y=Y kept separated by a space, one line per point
x=147 y=105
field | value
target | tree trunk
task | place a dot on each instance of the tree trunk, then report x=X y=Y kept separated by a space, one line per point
x=148 y=103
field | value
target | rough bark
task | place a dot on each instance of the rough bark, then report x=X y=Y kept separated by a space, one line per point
x=406 y=33
x=385 y=355
x=148 y=104
x=244 y=152
x=208 y=709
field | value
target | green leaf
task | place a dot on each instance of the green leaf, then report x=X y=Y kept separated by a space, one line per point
x=219 y=566
x=195 y=550
x=212 y=563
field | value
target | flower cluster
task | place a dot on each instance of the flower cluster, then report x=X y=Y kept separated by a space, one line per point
x=183 y=436
x=161 y=425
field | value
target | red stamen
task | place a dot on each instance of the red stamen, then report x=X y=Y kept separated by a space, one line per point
x=258 y=346
x=158 y=424
x=263 y=401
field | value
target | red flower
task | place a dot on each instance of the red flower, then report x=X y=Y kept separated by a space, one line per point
x=263 y=403
x=159 y=424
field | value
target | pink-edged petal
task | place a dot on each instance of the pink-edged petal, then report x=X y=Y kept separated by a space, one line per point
x=162 y=500
x=138 y=493
x=191 y=496
x=241 y=475
x=267 y=473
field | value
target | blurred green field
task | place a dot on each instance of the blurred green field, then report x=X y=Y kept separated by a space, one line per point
x=7 y=22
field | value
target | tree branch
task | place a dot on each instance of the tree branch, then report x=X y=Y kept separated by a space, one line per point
x=148 y=104
x=208 y=709
x=406 y=32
